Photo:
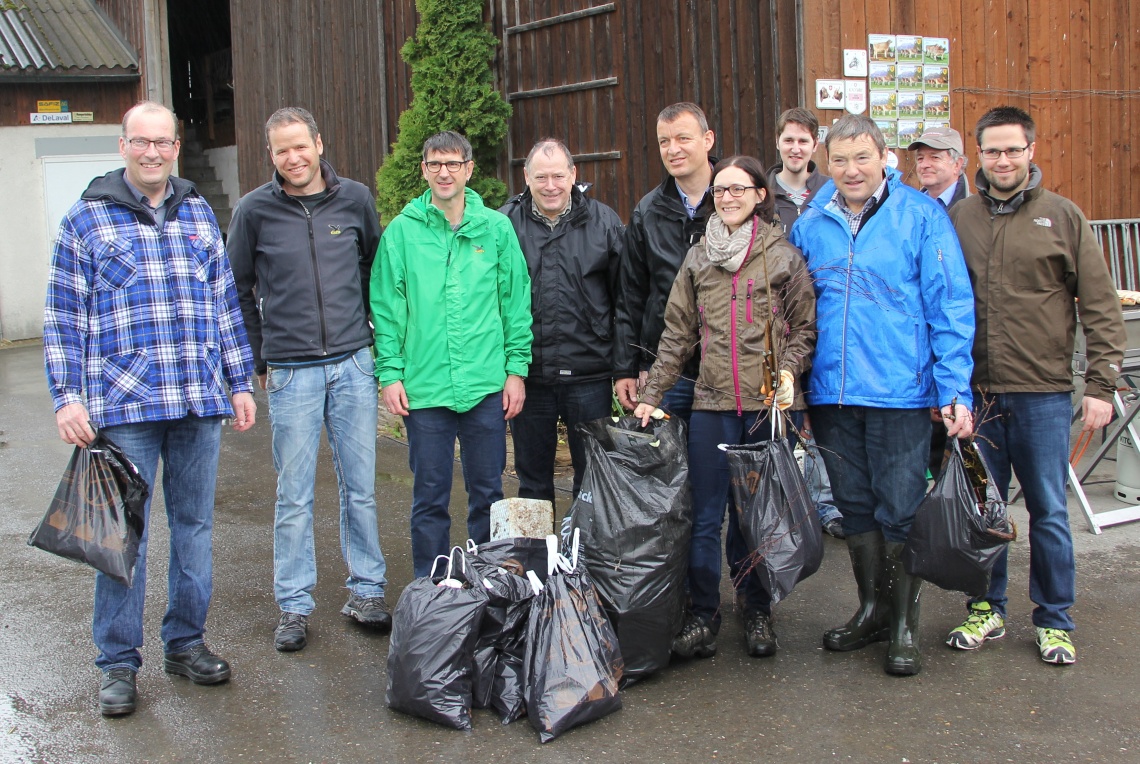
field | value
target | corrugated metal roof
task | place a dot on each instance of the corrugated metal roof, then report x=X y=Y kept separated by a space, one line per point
x=61 y=39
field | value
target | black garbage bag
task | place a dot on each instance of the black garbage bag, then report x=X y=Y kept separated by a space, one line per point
x=573 y=663
x=97 y=513
x=517 y=555
x=501 y=647
x=434 y=630
x=635 y=515
x=776 y=514
x=961 y=526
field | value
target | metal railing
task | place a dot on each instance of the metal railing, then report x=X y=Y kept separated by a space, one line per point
x=1120 y=240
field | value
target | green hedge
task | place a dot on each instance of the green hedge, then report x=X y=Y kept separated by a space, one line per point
x=452 y=89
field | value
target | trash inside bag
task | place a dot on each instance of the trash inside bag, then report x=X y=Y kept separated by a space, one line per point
x=573 y=663
x=434 y=630
x=776 y=515
x=961 y=526
x=96 y=515
x=501 y=647
x=635 y=515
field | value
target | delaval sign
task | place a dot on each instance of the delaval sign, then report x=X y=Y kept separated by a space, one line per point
x=50 y=118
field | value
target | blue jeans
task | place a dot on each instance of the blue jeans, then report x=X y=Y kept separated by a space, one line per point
x=342 y=397
x=482 y=433
x=877 y=462
x=1029 y=432
x=819 y=484
x=535 y=431
x=709 y=478
x=189 y=449
x=678 y=400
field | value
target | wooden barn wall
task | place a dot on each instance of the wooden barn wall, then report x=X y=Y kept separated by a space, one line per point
x=328 y=57
x=1074 y=65
x=107 y=101
x=595 y=74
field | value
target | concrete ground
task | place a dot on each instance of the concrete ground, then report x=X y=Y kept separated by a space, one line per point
x=326 y=703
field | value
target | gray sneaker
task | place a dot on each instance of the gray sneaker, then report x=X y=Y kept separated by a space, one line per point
x=291 y=633
x=370 y=611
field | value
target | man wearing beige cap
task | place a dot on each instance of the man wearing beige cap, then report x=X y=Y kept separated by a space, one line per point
x=940 y=159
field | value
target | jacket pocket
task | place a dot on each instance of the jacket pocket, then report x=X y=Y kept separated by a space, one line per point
x=748 y=302
x=115 y=266
x=126 y=378
x=201 y=248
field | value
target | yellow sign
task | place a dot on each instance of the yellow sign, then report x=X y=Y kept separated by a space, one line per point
x=82 y=116
x=50 y=106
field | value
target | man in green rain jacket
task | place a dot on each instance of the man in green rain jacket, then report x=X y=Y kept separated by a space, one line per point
x=451 y=307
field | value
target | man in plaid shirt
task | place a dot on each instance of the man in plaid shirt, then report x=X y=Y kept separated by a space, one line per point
x=142 y=338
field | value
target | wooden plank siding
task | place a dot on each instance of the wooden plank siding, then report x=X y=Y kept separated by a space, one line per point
x=1072 y=64
x=323 y=56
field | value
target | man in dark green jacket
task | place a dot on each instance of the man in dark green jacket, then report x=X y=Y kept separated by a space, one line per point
x=1030 y=254
x=451 y=309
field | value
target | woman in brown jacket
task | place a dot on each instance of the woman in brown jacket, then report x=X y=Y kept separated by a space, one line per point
x=744 y=297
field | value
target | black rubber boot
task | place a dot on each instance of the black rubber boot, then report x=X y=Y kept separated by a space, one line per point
x=869 y=624
x=903 y=656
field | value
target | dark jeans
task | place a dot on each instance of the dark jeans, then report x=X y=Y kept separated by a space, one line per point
x=709 y=478
x=877 y=462
x=535 y=431
x=678 y=401
x=482 y=433
x=1029 y=432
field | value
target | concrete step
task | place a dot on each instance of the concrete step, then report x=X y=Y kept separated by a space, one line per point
x=189 y=162
x=208 y=187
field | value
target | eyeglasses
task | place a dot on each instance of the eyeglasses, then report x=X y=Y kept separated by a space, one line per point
x=452 y=166
x=142 y=144
x=736 y=191
x=1013 y=152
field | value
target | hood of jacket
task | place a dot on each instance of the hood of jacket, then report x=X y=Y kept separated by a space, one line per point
x=1010 y=205
x=423 y=211
x=113 y=187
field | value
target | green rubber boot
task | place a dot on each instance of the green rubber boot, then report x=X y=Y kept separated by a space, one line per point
x=869 y=624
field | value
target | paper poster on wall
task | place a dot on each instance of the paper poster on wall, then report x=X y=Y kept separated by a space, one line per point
x=882 y=76
x=937 y=106
x=888 y=128
x=854 y=62
x=909 y=77
x=936 y=50
x=908 y=48
x=884 y=105
x=936 y=77
x=931 y=124
x=855 y=96
x=829 y=94
x=881 y=47
x=908 y=132
x=910 y=105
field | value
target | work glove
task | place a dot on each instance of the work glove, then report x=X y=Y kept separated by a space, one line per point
x=786 y=390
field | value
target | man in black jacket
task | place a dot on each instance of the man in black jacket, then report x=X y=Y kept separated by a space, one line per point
x=302 y=247
x=573 y=247
x=665 y=224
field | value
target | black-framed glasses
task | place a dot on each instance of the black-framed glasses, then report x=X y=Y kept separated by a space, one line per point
x=736 y=191
x=453 y=166
x=1013 y=152
x=142 y=144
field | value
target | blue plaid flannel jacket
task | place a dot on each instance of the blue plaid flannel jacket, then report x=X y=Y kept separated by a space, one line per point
x=143 y=324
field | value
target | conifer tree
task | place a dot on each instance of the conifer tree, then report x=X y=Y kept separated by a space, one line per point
x=452 y=89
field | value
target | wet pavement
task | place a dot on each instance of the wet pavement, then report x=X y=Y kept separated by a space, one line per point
x=326 y=703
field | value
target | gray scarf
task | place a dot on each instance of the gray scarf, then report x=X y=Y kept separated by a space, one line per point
x=728 y=250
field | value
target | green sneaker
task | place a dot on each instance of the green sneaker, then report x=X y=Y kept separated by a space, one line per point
x=1056 y=646
x=983 y=624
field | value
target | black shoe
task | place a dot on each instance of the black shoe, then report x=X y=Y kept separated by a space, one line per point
x=118 y=694
x=370 y=611
x=834 y=528
x=198 y=664
x=291 y=633
x=761 y=638
x=696 y=639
